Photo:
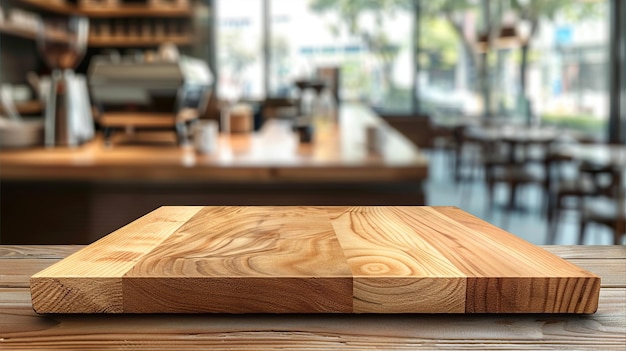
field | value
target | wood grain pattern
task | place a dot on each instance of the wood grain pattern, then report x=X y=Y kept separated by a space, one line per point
x=244 y=259
x=90 y=280
x=590 y=252
x=21 y=328
x=314 y=259
x=394 y=270
x=22 y=252
x=505 y=274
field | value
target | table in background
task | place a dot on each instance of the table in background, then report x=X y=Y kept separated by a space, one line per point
x=21 y=327
x=514 y=155
x=517 y=138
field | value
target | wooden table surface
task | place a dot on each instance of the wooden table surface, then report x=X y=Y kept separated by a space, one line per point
x=272 y=155
x=22 y=328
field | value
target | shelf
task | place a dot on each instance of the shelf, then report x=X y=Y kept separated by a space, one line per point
x=18 y=31
x=31 y=107
x=50 y=5
x=108 y=12
x=136 y=11
x=129 y=41
x=10 y=29
x=121 y=11
x=137 y=119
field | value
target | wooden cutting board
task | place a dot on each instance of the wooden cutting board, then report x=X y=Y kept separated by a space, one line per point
x=313 y=259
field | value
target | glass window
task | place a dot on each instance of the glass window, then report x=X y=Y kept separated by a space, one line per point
x=559 y=47
x=447 y=78
x=239 y=47
x=564 y=64
x=568 y=67
x=370 y=42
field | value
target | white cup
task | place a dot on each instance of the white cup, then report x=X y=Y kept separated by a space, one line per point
x=205 y=136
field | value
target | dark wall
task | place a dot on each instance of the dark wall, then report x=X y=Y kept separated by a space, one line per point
x=17 y=56
x=80 y=213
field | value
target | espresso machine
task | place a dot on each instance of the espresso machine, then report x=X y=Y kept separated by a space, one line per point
x=161 y=87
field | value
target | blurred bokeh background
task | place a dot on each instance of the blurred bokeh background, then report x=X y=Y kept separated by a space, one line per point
x=518 y=106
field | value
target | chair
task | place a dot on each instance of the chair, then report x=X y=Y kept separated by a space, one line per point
x=467 y=152
x=500 y=167
x=563 y=186
x=608 y=209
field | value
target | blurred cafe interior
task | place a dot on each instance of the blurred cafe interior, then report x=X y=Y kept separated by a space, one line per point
x=512 y=110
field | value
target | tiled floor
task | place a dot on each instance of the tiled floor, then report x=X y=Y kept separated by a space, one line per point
x=529 y=223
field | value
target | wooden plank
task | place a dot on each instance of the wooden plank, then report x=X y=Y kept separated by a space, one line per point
x=15 y=297
x=504 y=270
x=569 y=252
x=615 y=270
x=91 y=279
x=394 y=270
x=22 y=328
x=37 y=251
x=17 y=272
x=315 y=259
x=244 y=259
x=588 y=251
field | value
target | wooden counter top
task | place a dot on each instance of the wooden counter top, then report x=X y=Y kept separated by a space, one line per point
x=22 y=328
x=272 y=155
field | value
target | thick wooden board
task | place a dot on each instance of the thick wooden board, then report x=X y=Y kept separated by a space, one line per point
x=312 y=260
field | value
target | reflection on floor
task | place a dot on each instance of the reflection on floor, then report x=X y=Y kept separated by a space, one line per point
x=529 y=222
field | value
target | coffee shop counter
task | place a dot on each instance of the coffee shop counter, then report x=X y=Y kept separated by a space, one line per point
x=81 y=194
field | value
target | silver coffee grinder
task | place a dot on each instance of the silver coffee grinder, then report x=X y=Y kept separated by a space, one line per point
x=62 y=42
